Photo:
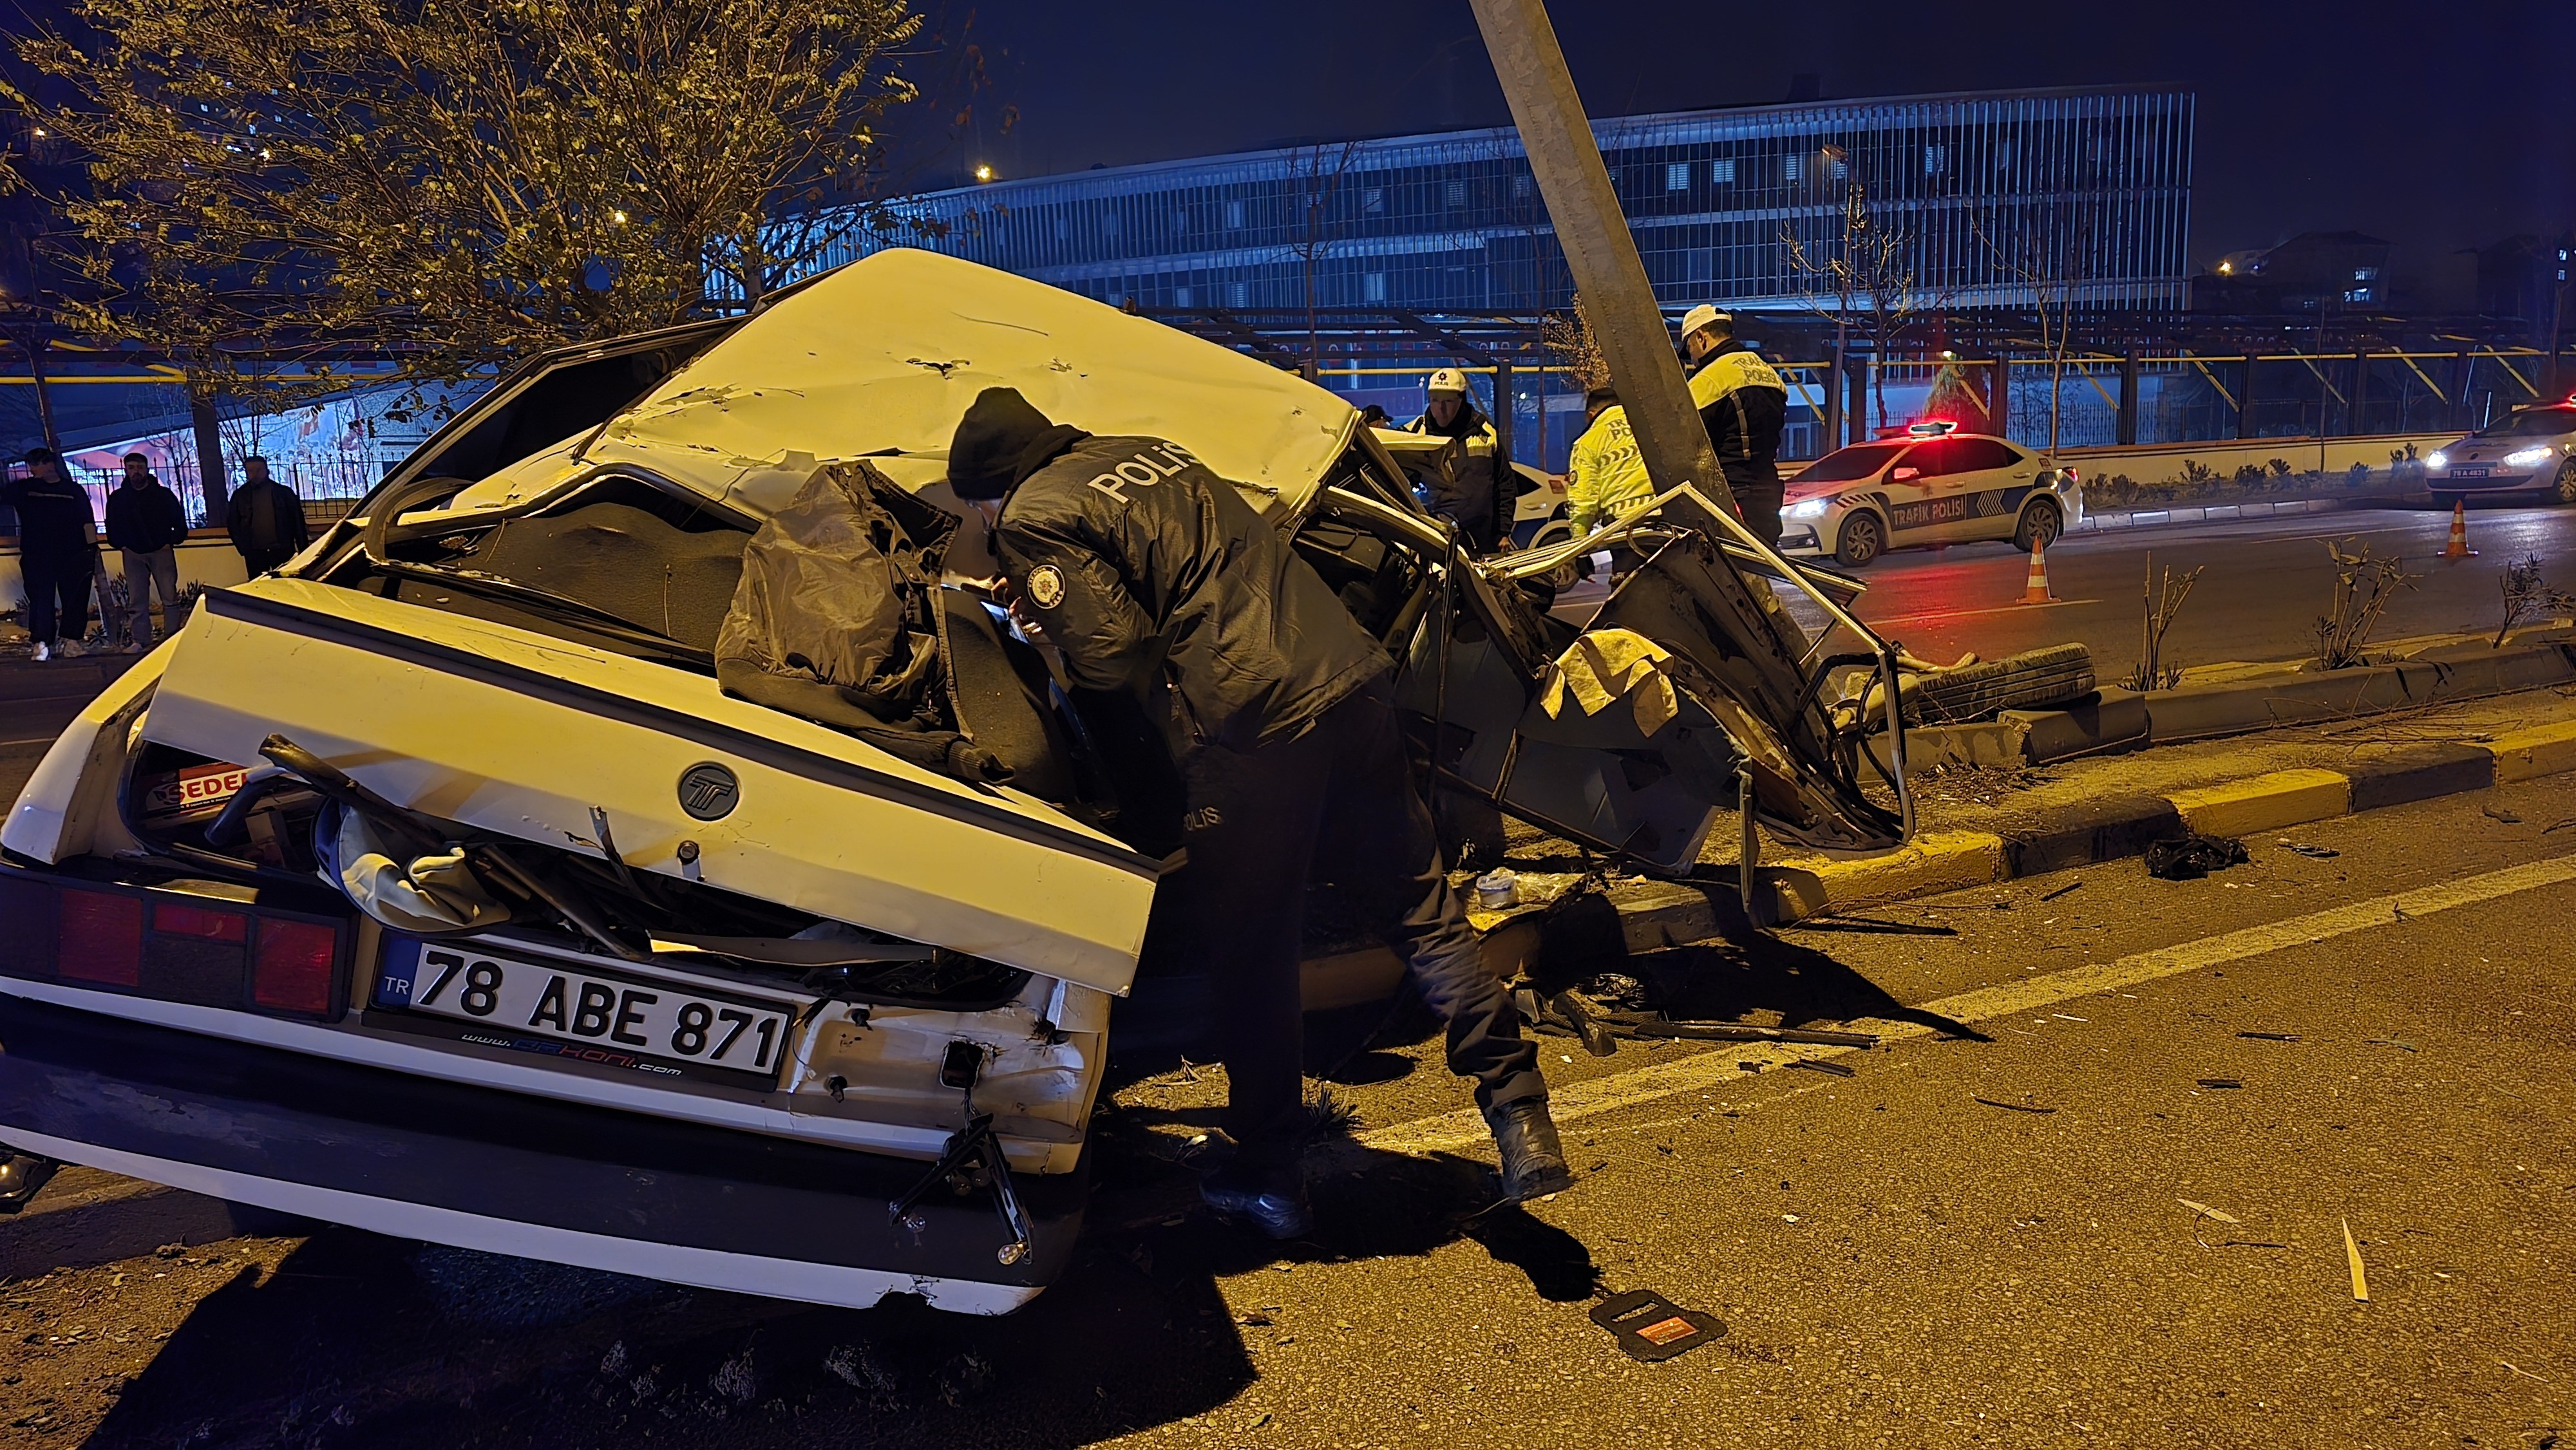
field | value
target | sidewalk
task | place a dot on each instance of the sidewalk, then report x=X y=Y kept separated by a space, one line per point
x=1980 y=824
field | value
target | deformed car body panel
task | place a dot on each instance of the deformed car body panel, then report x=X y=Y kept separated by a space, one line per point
x=417 y=676
x=476 y=722
x=883 y=356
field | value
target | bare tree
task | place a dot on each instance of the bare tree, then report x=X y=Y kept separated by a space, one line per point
x=1865 y=266
x=1315 y=175
x=2048 y=248
x=1570 y=339
x=449 y=185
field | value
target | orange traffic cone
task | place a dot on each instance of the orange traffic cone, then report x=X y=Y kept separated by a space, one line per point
x=2036 y=591
x=2459 y=548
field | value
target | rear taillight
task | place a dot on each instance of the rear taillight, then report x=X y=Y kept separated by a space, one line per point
x=99 y=938
x=171 y=945
x=294 y=968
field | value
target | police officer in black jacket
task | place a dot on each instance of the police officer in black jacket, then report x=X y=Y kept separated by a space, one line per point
x=1133 y=558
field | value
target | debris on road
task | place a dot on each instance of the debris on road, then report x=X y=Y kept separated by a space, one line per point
x=2313 y=853
x=2271 y=1036
x=2352 y=1253
x=1829 y=1069
x=2015 y=1107
x=1584 y=1014
x=2399 y=1043
x=2193 y=857
x=2222 y=1082
x=2508 y=817
x=2551 y=830
x=2061 y=891
x=2205 y=1211
x=1651 y=1328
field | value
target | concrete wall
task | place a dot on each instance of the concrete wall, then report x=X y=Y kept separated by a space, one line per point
x=207 y=558
x=2117 y=479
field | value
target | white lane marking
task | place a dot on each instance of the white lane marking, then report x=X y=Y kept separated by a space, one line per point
x=1451 y=1131
x=1937 y=617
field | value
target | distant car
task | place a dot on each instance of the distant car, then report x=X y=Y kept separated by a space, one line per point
x=1539 y=515
x=1935 y=486
x=2530 y=450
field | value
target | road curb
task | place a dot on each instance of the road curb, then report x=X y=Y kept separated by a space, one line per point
x=2115 y=719
x=1653 y=914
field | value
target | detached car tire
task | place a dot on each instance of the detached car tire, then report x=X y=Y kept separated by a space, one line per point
x=2040 y=525
x=2056 y=675
x=1861 y=539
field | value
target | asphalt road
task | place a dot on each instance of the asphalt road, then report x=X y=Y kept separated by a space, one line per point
x=1986 y=1235
x=2265 y=583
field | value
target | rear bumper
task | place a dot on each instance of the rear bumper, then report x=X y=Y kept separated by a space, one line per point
x=506 y=1173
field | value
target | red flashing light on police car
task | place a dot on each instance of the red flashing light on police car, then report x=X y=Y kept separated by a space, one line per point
x=1932 y=428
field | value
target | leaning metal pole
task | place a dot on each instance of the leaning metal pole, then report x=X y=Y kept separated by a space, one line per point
x=1608 y=274
x=1619 y=303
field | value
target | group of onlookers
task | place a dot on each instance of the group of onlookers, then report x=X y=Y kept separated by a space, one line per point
x=60 y=556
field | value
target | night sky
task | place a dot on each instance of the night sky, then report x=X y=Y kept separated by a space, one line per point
x=2438 y=127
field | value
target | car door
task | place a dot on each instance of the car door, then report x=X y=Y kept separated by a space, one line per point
x=1648 y=788
x=1996 y=478
x=1923 y=500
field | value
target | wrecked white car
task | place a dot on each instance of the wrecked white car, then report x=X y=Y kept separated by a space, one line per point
x=631 y=842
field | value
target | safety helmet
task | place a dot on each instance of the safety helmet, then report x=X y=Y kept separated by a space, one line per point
x=1704 y=316
x=1448 y=380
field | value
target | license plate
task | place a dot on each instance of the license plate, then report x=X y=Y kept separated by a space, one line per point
x=2459 y=472
x=553 y=1009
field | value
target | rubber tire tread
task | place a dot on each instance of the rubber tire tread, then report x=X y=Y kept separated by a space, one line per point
x=2053 y=675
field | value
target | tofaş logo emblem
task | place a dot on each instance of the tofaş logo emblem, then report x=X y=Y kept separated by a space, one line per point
x=708 y=792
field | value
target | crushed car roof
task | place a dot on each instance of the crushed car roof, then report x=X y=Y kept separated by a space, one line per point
x=880 y=358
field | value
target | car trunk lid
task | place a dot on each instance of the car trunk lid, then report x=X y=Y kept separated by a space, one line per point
x=512 y=732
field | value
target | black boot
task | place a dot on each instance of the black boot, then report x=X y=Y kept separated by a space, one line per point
x=1533 y=1161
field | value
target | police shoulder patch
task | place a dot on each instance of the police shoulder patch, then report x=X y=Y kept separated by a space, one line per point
x=1046 y=586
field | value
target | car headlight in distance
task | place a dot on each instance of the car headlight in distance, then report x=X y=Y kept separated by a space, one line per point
x=2437 y=459
x=2529 y=456
x=1813 y=508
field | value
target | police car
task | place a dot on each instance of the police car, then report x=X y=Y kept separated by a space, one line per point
x=2530 y=449
x=1934 y=485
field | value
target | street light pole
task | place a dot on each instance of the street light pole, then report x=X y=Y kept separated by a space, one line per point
x=1608 y=274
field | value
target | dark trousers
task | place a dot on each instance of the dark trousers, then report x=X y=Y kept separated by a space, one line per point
x=57 y=593
x=261 y=561
x=1757 y=491
x=1338 y=800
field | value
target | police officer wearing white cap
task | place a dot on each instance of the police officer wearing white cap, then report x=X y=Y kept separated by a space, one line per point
x=1744 y=404
x=1467 y=495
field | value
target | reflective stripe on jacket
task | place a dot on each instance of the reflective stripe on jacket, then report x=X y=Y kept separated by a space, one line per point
x=1744 y=403
x=1605 y=473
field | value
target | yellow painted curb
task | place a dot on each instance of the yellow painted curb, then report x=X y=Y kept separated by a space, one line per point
x=2538 y=751
x=1935 y=861
x=2264 y=802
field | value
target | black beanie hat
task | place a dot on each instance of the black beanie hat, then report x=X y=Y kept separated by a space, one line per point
x=984 y=457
